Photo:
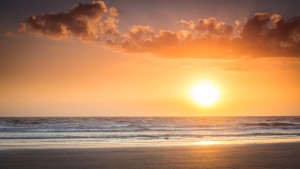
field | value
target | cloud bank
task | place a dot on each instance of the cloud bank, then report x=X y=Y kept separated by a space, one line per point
x=262 y=35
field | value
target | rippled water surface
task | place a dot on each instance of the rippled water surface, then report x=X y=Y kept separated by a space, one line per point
x=103 y=132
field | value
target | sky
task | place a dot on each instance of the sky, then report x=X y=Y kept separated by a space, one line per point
x=141 y=58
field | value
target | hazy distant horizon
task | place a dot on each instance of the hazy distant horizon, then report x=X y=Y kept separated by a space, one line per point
x=143 y=116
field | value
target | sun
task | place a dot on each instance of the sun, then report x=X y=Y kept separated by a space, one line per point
x=205 y=93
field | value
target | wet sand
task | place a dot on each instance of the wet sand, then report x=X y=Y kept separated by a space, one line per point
x=275 y=156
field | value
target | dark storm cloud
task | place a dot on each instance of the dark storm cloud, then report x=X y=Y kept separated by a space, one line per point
x=263 y=35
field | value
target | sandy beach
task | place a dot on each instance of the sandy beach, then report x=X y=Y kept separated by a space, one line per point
x=280 y=155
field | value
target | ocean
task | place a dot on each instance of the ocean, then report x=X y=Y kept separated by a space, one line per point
x=76 y=132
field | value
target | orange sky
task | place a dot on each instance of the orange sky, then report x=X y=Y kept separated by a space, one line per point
x=148 y=72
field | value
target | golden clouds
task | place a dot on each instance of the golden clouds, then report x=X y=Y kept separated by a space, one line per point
x=209 y=27
x=263 y=35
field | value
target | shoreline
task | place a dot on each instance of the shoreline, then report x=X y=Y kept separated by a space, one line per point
x=273 y=155
x=150 y=144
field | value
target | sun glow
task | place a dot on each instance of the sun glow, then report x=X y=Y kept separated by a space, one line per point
x=208 y=142
x=205 y=93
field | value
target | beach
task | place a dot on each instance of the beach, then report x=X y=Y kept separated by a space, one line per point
x=141 y=84
x=247 y=156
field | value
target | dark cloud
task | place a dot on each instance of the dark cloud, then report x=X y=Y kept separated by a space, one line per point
x=270 y=35
x=263 y=35
x=87 y=21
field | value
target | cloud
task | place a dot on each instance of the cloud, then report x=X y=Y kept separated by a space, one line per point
x=208 y=39
x=135 y=39
x=209 y=27
x=270 y=35
x=86 y=21
x=263 y=35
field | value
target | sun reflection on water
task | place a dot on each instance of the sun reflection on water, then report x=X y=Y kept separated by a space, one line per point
x=207 y=142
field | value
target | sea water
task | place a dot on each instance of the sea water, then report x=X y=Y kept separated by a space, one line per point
x=76 y=132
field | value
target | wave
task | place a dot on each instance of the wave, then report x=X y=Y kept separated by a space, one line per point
x=171 y=127
x=151 y=136
x=271 y=124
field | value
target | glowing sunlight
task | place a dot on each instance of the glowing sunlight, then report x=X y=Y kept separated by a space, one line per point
x=204 y=93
